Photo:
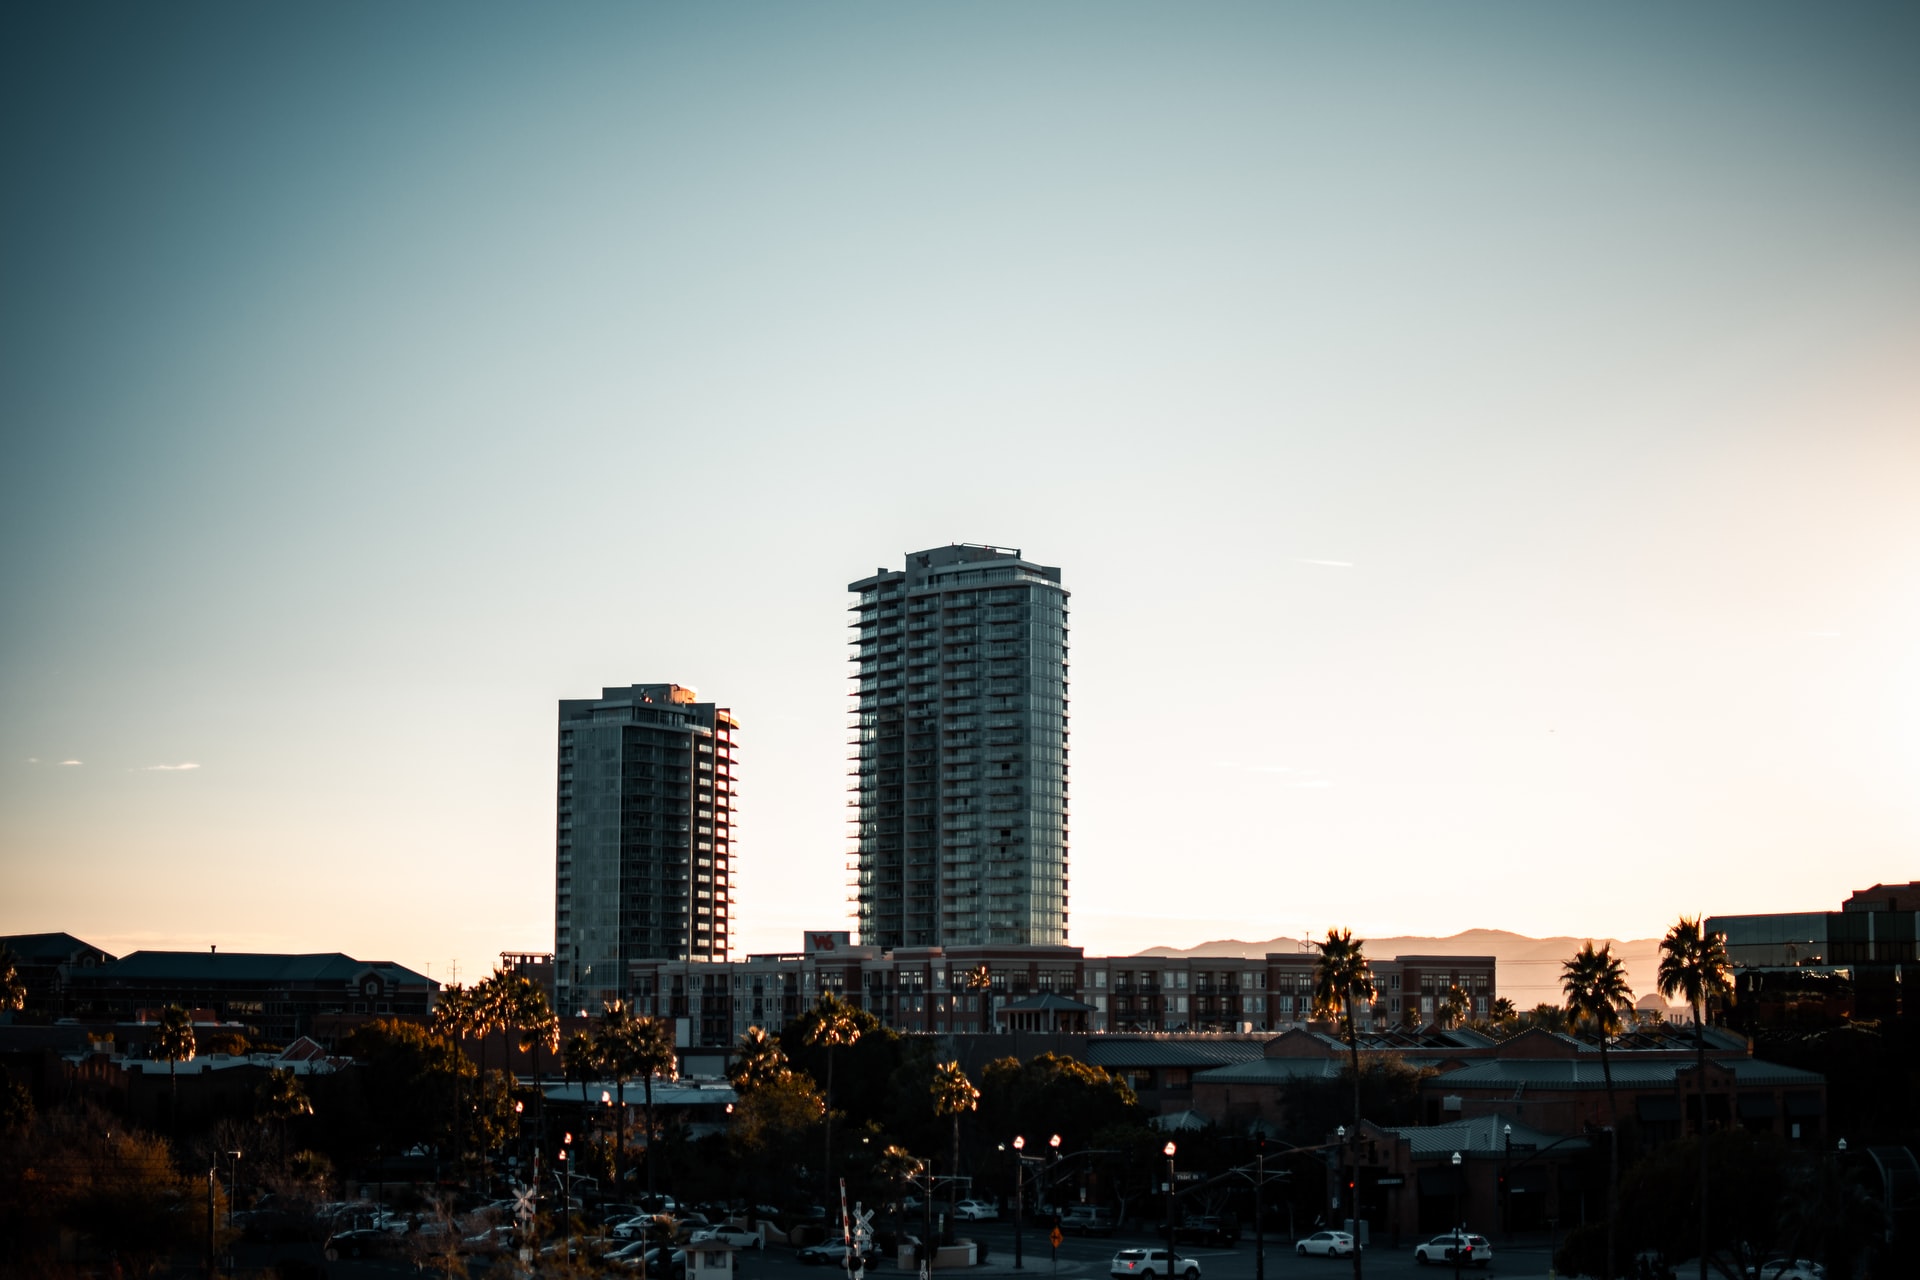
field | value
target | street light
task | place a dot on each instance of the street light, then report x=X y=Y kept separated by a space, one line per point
x=567 y=1194
x=1506 y=1187
x=1168 y=1151
x=1459 y=1231
x=1019 y=1197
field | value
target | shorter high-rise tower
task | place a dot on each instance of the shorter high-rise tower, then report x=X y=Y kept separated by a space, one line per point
x=643 y=854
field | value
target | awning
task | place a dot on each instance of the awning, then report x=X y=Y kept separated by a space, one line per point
x=1657 y=1107
x=1757 y=1106
x=1802 y=1103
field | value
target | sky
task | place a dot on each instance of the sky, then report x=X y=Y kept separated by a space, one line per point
x=1482 y=442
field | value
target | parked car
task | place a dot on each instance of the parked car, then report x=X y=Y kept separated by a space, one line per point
x=1788 y=1269
x=1148 y=1264
x=365 y=1242
x=1087 y=1220
x=974 y=1211
x=738 y=1237
x=1209 y=1228
x=608 y=1214
x=662 y=1263
x=834 y=1253
x=1326 y=1244
x=1474 y=1250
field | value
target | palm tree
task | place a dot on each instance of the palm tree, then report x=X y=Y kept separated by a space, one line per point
x=174 y=1043
x=1341 y=980
x=1502 y=1014
x=13 y=992
x=453 y=1016
x=953 y=1095
x=539 y=1029
x=617 y=1052
x=281 y=1097
x=653 y=1056
x=758 y=1060
x=981 y=979
x=834 y=1025
x=1453 y=1009
x=1694 y=966
x=1595 y=983
x=580 y=1059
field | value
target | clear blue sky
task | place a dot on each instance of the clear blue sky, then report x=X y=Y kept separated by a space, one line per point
x=1482 y=440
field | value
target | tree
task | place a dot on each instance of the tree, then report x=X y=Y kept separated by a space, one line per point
x=1453 y=1009
x=834 y=1026
x=981 y=979
x=953 y=1095
x=455 y=1014
x=1503 y=1015
x=1595 y=983
x=1055 y=1094
x=1694 y=966
x=617 y=1052
x=174 y=1043
x=280 y=1098
x=13 y=991
x=580 y=1060
x=653 y=1056
x=1342 y=979
x=410 y=1081
x=757 y=1060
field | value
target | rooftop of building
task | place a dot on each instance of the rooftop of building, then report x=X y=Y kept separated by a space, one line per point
x=48 y=948
x=251 y=966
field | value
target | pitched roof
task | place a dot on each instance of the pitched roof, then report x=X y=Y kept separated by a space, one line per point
x=1483 y=1135
x=246 y=966
x=1273 y=1071
x=1118 y=1053
x=47 y=948
x=1584 y=1072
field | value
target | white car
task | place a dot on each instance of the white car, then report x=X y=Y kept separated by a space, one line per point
x=1473 y=1250
x=975 y=1211
x=1151 y=1264
x=1326 y=1244
x=738 y=1237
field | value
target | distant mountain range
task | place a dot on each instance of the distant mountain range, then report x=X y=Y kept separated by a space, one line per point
x=1527 y=969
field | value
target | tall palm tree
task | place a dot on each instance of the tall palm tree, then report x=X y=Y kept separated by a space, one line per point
x=834 y=1026
x=1598 y=997
x=617 y=1052
x=981 y=979
x=580 y=1058
x=1342 y=979
x=1694 y=966
x=757 y=1060
x=174 y=1043
x=653 y=1056
x=280 y=1098
x=953 y=1095
x=539 y=1029
x=453 y=1017
x=1453 y=1009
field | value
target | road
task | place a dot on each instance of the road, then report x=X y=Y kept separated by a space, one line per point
x=1078 y=1259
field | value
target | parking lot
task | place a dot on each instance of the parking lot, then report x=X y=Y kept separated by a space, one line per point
x=1078 y=1258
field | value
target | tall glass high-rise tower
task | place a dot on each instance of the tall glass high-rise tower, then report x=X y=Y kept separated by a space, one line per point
x=959 y=738
x=644 y=843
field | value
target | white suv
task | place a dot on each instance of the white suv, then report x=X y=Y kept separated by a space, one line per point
x=1151 y=1264
x=1473 y=1250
